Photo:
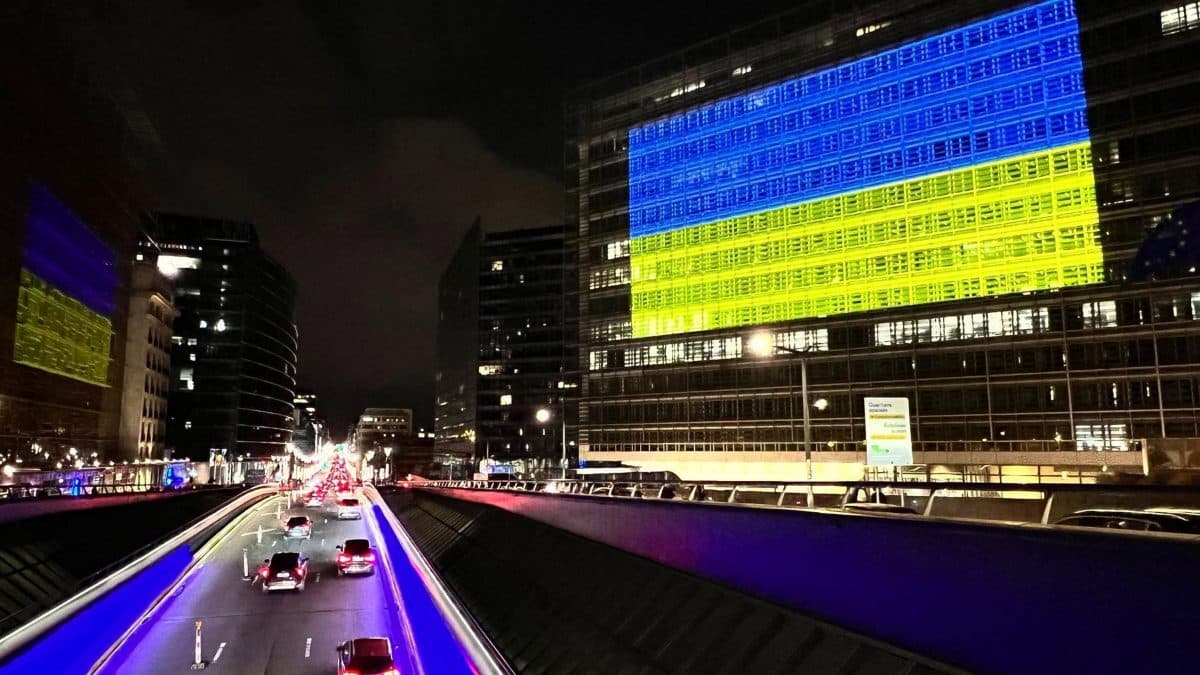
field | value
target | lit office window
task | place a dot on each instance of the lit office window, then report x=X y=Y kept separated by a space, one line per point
x=497 y=265
x=617 y=249
x=1101 y=314
x=1179 y=19
x=505 y=399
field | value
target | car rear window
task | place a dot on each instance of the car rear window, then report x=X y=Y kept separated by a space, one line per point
x=370 y=648
x=285 y=560
x=297 y=521
x=349 y=502
x=357 y=546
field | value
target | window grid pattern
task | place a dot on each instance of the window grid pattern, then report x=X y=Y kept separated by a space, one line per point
x=997 y=88
x=1180 y=19
x=1024 y=224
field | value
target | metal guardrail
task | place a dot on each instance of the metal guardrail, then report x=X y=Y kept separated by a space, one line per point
x=483 y=656
x=114 y=575
x=821 y=494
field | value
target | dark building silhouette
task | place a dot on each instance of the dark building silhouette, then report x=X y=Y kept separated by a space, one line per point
x=233 y=369
x=510 y=353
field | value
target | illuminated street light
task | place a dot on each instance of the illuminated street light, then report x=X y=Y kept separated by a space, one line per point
x=761 y=344
x=542 y=415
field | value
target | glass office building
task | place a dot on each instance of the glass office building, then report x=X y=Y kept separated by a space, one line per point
x=980 y=207
x=233 y=362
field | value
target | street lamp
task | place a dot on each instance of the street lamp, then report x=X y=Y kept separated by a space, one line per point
x=543 y=415
x=762 y=344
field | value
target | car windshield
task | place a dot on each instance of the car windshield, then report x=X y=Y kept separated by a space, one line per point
x=298 y=521
x=285 y=561
x=357 y=546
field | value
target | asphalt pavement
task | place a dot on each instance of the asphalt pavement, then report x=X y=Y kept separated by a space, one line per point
x=244 y=630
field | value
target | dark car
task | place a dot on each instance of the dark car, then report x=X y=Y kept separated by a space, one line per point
x=1160 y=519
x=872 y=507
x=366 y=656
x=284 y=571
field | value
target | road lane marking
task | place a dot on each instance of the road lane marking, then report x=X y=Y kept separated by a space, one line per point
x=218 y=654
x=307 y=647
x=318 y=578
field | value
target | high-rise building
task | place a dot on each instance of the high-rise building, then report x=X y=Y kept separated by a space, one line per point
x=380 y=428
x=233 y=368
x=458 y=349
x=310 y=431
x=929 y=201
x=72 y=187
x=525 y=387
x=506 y=349
x=147 y=358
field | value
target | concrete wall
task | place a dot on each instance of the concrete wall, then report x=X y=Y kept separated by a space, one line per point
x=990 y=598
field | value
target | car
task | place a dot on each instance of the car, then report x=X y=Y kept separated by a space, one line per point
x=1157 y=519
x=366 y=656
x=284 y=571
x=355 y=557
x=298 y=527
x=872 y=507
x=348 y=509
x=314 y=499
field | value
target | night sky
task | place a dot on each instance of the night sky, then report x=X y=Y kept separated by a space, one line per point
x=363 y=138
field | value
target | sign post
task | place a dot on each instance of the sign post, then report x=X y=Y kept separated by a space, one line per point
x=889 y=432
x=198 y=663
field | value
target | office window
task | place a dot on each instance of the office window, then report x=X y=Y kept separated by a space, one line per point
x=1179 y=19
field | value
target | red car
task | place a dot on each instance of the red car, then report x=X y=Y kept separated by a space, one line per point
x=366 y=656
x=355 y=557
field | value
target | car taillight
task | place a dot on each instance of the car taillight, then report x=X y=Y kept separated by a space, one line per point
x=369 y=557
x=390 y=671
x=299 y=571
x=265 y=572
x=342 y=557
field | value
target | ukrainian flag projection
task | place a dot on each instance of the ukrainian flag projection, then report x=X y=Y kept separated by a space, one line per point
x=65 y=300
x=956 y=166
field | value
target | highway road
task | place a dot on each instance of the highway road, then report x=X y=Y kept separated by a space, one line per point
x=247 y=631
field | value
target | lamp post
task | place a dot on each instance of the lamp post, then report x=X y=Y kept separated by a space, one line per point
x=762 y=344
x=544 y=415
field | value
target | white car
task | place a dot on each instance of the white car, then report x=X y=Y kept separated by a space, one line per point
x=314 y=499
x=298 y=527
x=348 y=509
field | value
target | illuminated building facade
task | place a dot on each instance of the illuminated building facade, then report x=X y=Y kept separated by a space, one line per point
x=72 y=187
x=939 y=201
x=147 y=358
x=310 y=431
x=233 y=364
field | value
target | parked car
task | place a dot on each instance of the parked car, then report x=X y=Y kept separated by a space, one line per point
x=1157 y=519
x=872 y=507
